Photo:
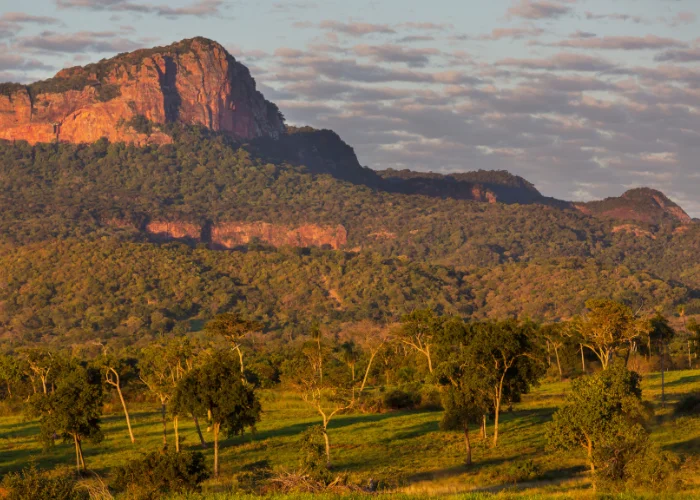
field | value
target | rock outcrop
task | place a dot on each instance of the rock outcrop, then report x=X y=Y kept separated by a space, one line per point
x=229 y=235
x=126 y=98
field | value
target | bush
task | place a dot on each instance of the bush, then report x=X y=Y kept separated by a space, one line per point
x=401 y=400
x=519 y=472
x=161 y=472
x=688 y=405
x=313 y=455
x=253 y=476
x=30 y=483
x=653 y=470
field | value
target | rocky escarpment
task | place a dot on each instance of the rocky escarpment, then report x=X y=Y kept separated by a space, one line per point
x=229 y=235
x=193 y=82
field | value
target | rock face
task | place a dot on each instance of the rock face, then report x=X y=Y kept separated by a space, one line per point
x=232 y=235
x=125 y=98
x=229 y=235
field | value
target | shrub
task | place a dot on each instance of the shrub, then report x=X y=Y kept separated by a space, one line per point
x=31 y=483
x=688 y=405
x=313 y=455
x=653 y=470
x=518 y=472
x=401 y=400
x=161 y=472
x=253 y=476
x=141 y=124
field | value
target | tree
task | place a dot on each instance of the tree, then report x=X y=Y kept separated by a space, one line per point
x=73 y=410
x=608 y=326
x=114 y=369
x=351 y=355
x=234 y=329
x=373 y=339
x=465 y=395
x=555 y=339
x=215 y=389
x=603 y=413
x=10 y=372
x=157 y=374
x=41 y=364
x=419 y=330
x=507 y=359
x=660 y=334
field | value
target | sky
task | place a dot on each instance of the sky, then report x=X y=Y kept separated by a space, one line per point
x=584 y=98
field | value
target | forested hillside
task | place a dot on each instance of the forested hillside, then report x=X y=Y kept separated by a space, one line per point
x=77 y=256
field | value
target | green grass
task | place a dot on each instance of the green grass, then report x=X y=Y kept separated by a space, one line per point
x=404 y=451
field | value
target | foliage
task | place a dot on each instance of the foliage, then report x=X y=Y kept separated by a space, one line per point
x=688 y=405
x=605 y=416
x=31 y=483
x=397 y=399
x=160 y=473
x=313 y=454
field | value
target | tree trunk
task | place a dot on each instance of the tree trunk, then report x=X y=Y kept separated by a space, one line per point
x=663 y=395
x=495 y=419
x=165 y=425
x=583 y=360
x=369 y=365
x=484 y=433
x=216 y=449
x=9 y=390
x=352 y=369
x=126 y=414
x=328 y=447
x=80 y=452
x=467 y=445
x=177 y=435
x=556 y=353
x=77 y=452
x=690 y=364
x=199 y=431
x=43 y=383
x=240 y=356
x=430 y=361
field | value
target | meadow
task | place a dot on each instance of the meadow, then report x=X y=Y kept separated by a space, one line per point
x=404 y=453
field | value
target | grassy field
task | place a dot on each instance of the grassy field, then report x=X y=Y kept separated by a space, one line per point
x=403 y=451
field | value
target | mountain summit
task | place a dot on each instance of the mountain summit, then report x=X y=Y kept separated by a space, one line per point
x=639 y=204
x=125 y=98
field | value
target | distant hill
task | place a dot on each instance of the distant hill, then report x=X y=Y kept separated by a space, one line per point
x=169 y=214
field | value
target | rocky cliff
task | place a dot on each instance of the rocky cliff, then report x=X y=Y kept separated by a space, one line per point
x=194 y=82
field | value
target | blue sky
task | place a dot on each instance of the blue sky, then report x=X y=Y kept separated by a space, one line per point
x=585 y=98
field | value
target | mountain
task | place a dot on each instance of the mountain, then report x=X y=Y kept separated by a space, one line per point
x=641 y=204
x=192 y=82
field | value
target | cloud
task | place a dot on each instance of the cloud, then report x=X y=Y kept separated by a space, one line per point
x=356 y=29
x=515 y=33
x=389 y=53
x=592 y=16
x=82 y=41
x=561 y=62
x=539 y=9
x=15 y=62
x=22 y=18
x=683 y=56
x=683 y=18
x=621 y=43
x=201 y=8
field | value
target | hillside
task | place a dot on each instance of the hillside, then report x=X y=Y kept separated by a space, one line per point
x=78 y=220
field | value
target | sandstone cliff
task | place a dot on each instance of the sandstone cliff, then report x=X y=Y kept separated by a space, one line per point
x=193 y=82
x=641 y=204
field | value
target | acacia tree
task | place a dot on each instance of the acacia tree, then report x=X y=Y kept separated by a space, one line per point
x=234 y=329
x=328 y=396
x=507 y=359
x=420 y=330
x=10 y=372
x=373 y=339
x=351 y=355
x=72 y=410
x=215 y=389
x=603 y=414
x=607 y=327
x=555 y=339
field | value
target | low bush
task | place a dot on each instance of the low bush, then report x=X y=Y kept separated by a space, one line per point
x=31 y=483
x=401 y=400
x=161 y=472
x=688 y=405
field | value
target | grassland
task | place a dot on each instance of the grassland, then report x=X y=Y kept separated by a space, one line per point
x=405 y=452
